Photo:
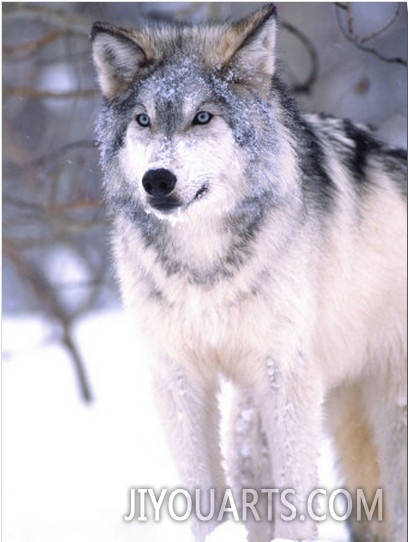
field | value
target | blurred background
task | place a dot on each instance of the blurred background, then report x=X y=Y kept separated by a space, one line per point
x=64 y=343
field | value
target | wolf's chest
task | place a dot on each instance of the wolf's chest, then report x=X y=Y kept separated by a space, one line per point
x=220 y=324
x=194 y=301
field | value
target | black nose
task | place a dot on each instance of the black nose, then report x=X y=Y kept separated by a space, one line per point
x=159 y=182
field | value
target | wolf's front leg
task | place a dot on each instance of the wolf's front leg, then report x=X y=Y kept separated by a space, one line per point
x=189 y=410
x=291 y=405
x=248 y=464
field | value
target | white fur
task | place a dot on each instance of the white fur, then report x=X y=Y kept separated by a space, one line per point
x=311 y=329
x=339 y=301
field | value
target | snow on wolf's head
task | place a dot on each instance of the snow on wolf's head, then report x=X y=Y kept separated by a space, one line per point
x=184 y=121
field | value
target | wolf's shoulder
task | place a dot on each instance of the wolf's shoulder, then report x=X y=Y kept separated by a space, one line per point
x=350 y=133
x=359 y=148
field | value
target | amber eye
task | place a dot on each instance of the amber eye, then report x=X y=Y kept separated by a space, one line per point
x=203 y=117
x=143 y=120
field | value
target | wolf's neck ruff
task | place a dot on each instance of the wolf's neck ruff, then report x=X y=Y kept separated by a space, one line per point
x=203 y=251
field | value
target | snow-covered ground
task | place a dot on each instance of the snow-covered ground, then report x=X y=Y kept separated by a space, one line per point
x=68 y=467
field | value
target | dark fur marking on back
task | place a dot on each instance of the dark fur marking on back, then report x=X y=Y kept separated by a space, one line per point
x=356 y=159
x=396 y=166
x=318 y=187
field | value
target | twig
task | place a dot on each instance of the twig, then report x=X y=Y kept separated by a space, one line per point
x=312 y=77
x=59 y=153
x=51 y=304
x=32 y=45
x=350 y=35
x=70 y=345
x=59 y=18
x=75 y=205
x=27 y=92
x=384 y=28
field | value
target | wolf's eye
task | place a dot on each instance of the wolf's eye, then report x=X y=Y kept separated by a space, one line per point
x=143 y=120
x=203 y=117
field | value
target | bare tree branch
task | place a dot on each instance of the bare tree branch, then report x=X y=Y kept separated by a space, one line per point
x=60 y=18
x=61 y=152
x=49 y=299
x=358 y=41
x=312 y=77
x=32 y=45
x=383 y=28
x=27 y=92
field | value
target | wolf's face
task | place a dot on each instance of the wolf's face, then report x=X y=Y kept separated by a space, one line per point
x=183 y=110
x=179 y=148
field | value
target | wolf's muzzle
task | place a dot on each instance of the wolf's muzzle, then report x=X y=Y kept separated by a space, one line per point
x=159 y=184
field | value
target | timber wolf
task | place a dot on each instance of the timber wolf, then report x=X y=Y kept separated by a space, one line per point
x=264 y=245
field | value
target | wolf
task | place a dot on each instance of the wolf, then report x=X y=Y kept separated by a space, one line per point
x=265 y=247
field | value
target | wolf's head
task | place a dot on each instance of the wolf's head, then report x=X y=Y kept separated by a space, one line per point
x=185 y=119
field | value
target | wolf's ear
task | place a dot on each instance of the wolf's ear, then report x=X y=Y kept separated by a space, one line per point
x=248 y=47
x=117 y=56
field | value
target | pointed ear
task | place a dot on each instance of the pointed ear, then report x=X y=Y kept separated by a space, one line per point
x=118 y=57
x=248 y=48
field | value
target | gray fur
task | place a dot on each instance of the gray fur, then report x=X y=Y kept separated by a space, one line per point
x=280 y=264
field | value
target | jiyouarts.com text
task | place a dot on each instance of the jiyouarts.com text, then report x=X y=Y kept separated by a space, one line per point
x=147 y=504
